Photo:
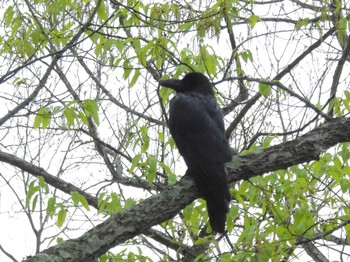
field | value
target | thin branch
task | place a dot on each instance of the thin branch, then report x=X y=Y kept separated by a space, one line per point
x=337 y=75
x=110 y=96
x=54 y=61
x=7 y=254
x=324 y=234
x=292 y=93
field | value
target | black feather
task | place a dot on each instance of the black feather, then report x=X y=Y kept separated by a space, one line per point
x=197 y=126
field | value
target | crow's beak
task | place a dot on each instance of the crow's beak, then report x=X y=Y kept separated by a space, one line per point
x=175 y=84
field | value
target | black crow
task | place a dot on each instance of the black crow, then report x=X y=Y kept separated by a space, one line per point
x=197 y=126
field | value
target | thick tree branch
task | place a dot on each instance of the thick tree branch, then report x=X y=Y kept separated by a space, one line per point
x=314 y=252
x=305 y=148
x=156 y=209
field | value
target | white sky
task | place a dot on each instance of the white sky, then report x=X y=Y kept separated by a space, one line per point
x=15 y=234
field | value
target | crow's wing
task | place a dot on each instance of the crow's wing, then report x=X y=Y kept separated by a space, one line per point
x=196 y=124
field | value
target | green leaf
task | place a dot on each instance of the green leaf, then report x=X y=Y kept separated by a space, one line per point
x=252 y=20
x=127 y=69
x=160 y=136
x=15 y=25
x=264 y=89
x=129 y=203
x=91 y=109
x=171 y=175
x=32 y=189
x=83 y=118
x=232 y=215
x=70 y=115
x=42 y=118
x=134 y=162
x=84 y=202
x=342 y=31
x=209 y=60
x=134 y=78
x=102 y=11
x=119 y=44
x=247 y=55
x=36 y=36
x=152 y=169
x=111 y=204
x=93 y=37
x=187 y=212
x=37 y=121
x=59 y=240
x=145 y=138
x=203 y=240
x=34 y=202
x=302 y=222
x=61 y=217
x=186 y=26
x=43 y=184
x=79 y=198
x=301 y=23
x=164 y=93
x=8 y=16
x=46 y=120
x=268 y=140
x=75 y=198
x=344 y=152
x=51 y=206
x=346 y=101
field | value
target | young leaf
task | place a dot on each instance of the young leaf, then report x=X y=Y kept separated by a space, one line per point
x=83 y=118
x=51 y=206
x=102 y=11
x=164 y=93
x=152 y=169
x=34 y=202
x=61 y=217
x=134 y=78
x=252 y=20
x=91 y=109
x=83 y=201
x=32 y=189
x=37 y=121
x=70 y=115
x=247 y=55
x=134 y=162
x=59 y=240
x=171 y=175
x=301 y=23
x=342 y=31
x=264 y=89
x=79 y=198
x=75 y=198
x=8 y=15
x=145 y=138
x=268 y=140
x=42 y=118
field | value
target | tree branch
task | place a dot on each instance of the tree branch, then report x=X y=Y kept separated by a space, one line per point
x=133 y=221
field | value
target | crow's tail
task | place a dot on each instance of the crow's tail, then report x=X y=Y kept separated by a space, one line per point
x=212 y=185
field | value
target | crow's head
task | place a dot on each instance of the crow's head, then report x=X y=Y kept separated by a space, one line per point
x=192 y=82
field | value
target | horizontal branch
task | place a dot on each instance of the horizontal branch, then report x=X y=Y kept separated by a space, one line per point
x=131 y=222
x=49 y=179
x=305 y=148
